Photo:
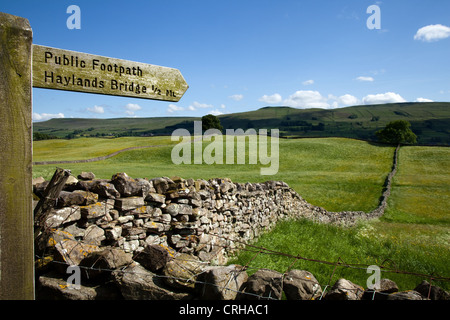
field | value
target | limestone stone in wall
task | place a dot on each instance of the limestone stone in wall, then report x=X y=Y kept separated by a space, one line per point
x=263 y=284
x=127 y=186
x=345 y=290
x=301 y=285
x=221 y=282
x=202 y=222
x=61 y=216
x=138 y=283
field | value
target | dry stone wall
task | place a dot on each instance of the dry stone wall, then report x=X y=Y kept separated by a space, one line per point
x=208 y=219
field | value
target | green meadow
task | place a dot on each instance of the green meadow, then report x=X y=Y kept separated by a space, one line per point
x=335 y=173
x=86 y=148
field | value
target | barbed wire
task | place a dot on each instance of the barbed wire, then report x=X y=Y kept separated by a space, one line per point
x=258 y=250
x=340 y=261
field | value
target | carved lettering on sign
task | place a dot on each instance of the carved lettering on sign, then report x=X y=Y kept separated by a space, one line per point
x=75 y=71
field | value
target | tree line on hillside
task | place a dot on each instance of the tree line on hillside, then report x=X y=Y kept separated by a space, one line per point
x=37 y=136
x=395 y=132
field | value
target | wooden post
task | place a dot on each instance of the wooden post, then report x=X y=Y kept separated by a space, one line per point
x=16 y=213
x=51 y=194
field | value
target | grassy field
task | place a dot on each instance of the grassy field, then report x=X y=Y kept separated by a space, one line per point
x=352 y=245
x=338 y=174
x=86 y=148
x=335 y=173
x=421 y=186
x=413 y=235
x=418 y=210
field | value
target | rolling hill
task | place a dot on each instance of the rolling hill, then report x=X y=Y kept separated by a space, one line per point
x=430 y=121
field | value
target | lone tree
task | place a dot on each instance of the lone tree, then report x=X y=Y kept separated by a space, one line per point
x=397 y=132
x=211 y=122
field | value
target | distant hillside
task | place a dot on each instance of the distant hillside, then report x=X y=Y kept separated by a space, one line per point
x=430 y=121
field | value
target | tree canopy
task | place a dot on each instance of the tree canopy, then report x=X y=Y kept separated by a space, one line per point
x=211 y=122
x=397 y=132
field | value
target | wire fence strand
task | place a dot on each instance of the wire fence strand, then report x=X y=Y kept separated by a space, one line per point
x=258 y=250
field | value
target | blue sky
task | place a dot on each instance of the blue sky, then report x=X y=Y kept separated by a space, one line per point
x=244 y=55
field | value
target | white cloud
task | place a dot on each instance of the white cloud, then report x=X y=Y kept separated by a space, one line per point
x=193 y=107
x=381 y=98
x=423 y=100
x=236 y=97
x=433 y=32
x=348 y=100
x=196 y=104
x=275 y=98
x=96 y=109
x=216 y=112
x=342 y=101
x=365 y=79
x=304 y=99
x=308 y=82
x=312 y=99
x=131 y=108
x=307 y=99
x=173 y=108
x=46 y=116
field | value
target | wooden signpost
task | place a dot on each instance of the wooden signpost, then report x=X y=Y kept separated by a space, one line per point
x=76 y=71
x=16 y=220
x=23 y=66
